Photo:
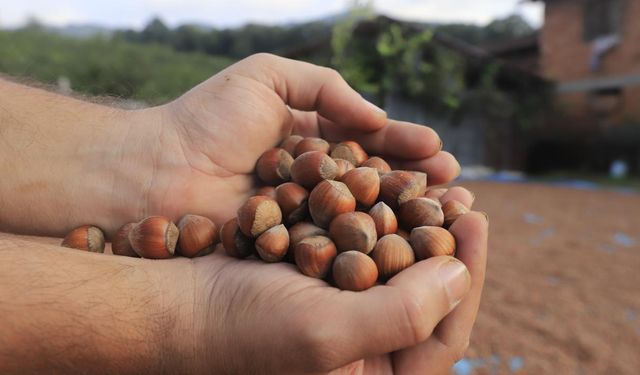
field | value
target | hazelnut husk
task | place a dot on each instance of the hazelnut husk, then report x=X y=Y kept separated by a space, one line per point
x=353 y=231
x=120 y=244
x=292 y=199
x=384 y=218
x=235 y=243
x=452 y=211
x=350 y=151
x=378 y=163
x=355 y=271
x=274 y=166
x=419 y=212
x=311 y=144
x=314 y=256
x=391 y=255
x=289 y=144
x=154 y=237
x=432 y=241
x=344 y=166
x=328 y=200
x=310 y=168
x=197 y=234
x=397 y=187
x=273 y=244
x=258 y=214
x=364 y=184
x=85 y=237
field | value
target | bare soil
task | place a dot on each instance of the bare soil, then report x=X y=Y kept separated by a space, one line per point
x=562 y=294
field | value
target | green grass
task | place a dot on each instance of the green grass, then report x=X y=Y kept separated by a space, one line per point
x=105 y=66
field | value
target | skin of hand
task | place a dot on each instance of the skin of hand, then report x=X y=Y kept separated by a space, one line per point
x=221 y=315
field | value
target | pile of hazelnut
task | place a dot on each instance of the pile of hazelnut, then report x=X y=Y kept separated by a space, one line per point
x=335 y=212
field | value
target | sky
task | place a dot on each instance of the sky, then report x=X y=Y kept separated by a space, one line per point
x=231 y=13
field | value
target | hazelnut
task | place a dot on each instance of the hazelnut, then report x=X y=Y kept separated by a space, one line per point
x=353 y=231
x=328 y=200
x=274 y=166
x=314 y=256
x=378 y=163
x=120 y=244
x=197 y=233
x=85 y=237
x=311 y=168
x=344 y=166
x=300 y=231
x=364 y=184
x=432 y=241
x=289 y=144
x=154 y=237
x=267 y=191
x=234 y=242
x=273 y=244
x=419 y=212
x=258 y=214
x=404 y=234
x=292 y=199
x=397 y=187
x=452 y=211
x=384 y=218
x=311 y=144
x=353 y=270
x=392 y=254
x=350 y=151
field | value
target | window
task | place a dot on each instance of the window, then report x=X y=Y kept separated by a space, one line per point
x=601 y=18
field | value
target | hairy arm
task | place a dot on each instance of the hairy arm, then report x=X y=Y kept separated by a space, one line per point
x=61 y=163
x=67 y=311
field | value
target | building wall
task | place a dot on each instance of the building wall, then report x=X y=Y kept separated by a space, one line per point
x=566 y=56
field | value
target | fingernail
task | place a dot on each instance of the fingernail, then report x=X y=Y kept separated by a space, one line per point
x=486 y=216
x=441 y=145
x=456 y=280
x=378 y=110
x=473 y=196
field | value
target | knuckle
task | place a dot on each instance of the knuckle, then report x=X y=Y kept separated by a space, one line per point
x=263 y=58
x=333 y=75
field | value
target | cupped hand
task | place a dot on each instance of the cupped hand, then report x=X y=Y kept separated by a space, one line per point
x=206 y=143
x=257 y=318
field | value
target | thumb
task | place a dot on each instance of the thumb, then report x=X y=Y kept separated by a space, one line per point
x=309 y=87
x=400 y=314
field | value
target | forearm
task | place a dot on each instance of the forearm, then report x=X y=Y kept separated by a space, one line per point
x=58 y=159
x=65 y=311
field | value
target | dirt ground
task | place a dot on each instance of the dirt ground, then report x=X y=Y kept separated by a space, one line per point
x=562 y=294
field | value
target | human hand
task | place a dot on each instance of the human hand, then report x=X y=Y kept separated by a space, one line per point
x=250 y=317
x=210 y=138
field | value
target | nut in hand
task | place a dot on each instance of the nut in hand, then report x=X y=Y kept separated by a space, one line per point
x=310 y=168
x=234 y=242
x=353 y=231
x=273 y=244
x=289 y=144
x=314 y=256
x=120 y=244
x=292 y=199
x=378 y=163
x=353 y=270
x=258 y=214
x=154 y=237
x=419 y=212
x=85 y=237
x=198 y=234
x=432 y=241
x=384 y=218
x=274 y=166
x=328 y=200
x=392 y=254
x=311 y=144
x=350 y=151
x=397 y=187
x=364 y=184
x=452 y=211
x=344 y=166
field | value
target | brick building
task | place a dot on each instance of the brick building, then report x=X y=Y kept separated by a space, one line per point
x=591 y=49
